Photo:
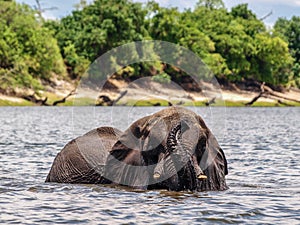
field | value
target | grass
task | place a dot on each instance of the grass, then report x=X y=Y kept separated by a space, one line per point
x=275 y=104
x=71 y=101
x=80 y=102
x=13 y=103
x=160 y=102
x=265 y=104
x=150 y=102
x=234 y=104
x=144 y=103
x=195 y=103
x=51 y=98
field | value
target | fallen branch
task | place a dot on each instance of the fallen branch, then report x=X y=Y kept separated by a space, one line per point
x=107 y=101
x=43 y=102
x=254 y=99
x=32 y=98
x=267 y=92
x=63 y=100
x=279 y=101
x=262 y=91
x=210 y=102
x=271 y=92
x=122 y=94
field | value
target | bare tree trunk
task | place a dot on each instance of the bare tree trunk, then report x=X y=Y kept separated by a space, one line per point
x=63 y=100
x=254 y=99
x=262 y=91
x=105 y=100
x=267 y=92
x=210 y=102
x=35 y=100
x=273 y=93
x=38 y=101
x=122 y=94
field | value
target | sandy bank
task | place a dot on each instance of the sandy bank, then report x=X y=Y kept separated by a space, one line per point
x=147 y=92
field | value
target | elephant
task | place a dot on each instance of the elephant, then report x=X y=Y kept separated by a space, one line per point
x=82 y=159
x=171 y=149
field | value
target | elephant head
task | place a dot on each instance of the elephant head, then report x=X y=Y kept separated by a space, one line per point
x=171 y=149
x=82 y=159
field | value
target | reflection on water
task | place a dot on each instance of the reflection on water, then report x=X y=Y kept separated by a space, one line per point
x=262 y=146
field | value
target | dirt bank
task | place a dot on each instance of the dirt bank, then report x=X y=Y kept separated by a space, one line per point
x=147 y=92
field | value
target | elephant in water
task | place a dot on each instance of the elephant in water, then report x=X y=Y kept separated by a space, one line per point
x=172 y=149
x=82 y=160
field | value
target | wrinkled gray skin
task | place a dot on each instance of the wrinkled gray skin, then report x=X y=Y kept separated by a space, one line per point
x=82 y=159
x=170 y=149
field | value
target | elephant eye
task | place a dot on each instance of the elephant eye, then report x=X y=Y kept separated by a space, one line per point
x=137 y=132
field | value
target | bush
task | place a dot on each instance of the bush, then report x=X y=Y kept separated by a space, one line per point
x=28 y=52
x=162 y=78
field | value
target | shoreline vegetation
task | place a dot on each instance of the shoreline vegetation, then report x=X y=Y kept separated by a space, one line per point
x=43 y=61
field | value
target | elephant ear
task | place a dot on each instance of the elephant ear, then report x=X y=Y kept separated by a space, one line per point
x=213 y=163
x=125 y=164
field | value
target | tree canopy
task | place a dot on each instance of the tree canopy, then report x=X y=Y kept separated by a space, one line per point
x=28 y=51
x=289 y=30
x=234 y=43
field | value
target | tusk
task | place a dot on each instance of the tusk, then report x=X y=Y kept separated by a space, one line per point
x=159 y=168
x=202 y=177
x=156 y=176
x=198 y=170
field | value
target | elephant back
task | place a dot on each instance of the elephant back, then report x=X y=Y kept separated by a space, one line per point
x=83 y=159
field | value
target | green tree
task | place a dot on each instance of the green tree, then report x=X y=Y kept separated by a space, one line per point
x=243 y=15
x=29 y=53
x=273 y=61
x=165 y=25
x=289 y=30
x=243 y=41
x=235 y=44
x=231 y=41
x=94 y=29
x=242 y=11
x=101 y=26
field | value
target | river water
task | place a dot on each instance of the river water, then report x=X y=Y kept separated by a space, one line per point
x=261 y=144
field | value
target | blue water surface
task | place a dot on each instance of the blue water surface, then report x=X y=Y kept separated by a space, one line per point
x=261 y=144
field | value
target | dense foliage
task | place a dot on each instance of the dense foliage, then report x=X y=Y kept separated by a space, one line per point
x=235 y=44
x=289 y=30
x=28 y=51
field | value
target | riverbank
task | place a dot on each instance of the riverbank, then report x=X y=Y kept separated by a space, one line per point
x=155 y=94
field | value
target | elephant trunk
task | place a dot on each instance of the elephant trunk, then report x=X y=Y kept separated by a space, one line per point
x=176 y=162
x=182 y=158
x=173 y=139
x=164 y=159
x=176 y=145
x=177 y=156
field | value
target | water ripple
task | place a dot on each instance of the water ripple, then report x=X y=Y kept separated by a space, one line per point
x=262 y=147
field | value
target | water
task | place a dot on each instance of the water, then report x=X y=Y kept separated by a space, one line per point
x=261 y=144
